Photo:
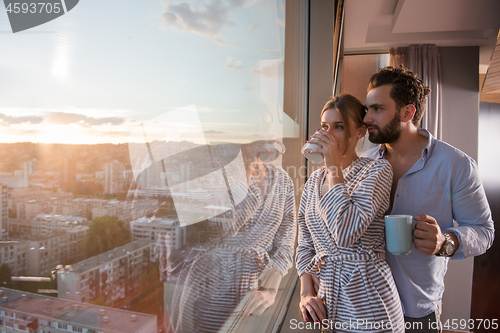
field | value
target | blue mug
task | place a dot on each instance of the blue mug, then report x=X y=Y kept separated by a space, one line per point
x=399 y=234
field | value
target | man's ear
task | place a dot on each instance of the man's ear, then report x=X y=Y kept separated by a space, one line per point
x=407 y=113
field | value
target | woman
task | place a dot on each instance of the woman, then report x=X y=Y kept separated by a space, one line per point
x=346 y=284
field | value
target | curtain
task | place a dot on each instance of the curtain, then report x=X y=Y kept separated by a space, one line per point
x=424 y=61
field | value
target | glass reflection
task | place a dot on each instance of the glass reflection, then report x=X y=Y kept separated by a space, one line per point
x=246 y=249
x=121 y=209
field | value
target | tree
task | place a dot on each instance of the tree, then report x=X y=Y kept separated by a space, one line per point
x=105 y=233
x=5 y=274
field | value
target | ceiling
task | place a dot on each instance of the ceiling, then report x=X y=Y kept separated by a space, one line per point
x=377 y=25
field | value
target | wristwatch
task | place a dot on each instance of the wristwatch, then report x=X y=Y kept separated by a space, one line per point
x=448 y=246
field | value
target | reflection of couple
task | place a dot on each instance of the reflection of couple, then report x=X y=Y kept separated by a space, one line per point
x=340 y=257
x=250 y=248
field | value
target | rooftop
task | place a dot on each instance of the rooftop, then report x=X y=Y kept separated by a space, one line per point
x=106 y=257
x=74 y=313
x=155 y=221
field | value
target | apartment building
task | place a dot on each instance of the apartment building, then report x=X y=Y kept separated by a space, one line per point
x=4 y=211
x=49 y=223
x=26 y=312
x=170 y=233
x=14 y=180
x=27 y=203
x=113 y=177
x=112 y=275
x=125 y=210
x=28 y=210
x=68 y=174
x=17 y=195
x=76 y=207
x=45 y=252
x=13 y=253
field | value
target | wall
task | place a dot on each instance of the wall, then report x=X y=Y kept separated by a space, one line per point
x=460 y=76
x=459 y=69
x=486 y=289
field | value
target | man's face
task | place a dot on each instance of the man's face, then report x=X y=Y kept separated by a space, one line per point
x=382 y=119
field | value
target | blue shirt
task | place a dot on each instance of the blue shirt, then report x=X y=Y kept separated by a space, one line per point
x=444 y=183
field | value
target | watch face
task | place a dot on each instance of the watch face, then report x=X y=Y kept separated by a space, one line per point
x=449 y=248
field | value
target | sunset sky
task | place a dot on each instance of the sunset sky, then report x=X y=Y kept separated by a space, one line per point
x=97 y=72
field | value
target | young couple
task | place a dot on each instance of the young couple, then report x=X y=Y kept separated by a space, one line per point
x=348 y=279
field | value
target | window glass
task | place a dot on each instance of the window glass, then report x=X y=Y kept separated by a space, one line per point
x=357 y=70
x=144 y=166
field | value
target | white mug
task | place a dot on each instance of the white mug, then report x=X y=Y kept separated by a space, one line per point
x=315 y=158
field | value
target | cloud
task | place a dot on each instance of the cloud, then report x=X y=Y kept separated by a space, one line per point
x=236 y=65
x=203 y=17
x=27 y=132
x=120 y=134
x=204 y=109
x=214 y=132
x=270 y=52
x=63 y=118
x=270 y=71
x=9 y=120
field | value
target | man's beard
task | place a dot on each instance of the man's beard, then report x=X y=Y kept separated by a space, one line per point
x=389 y=134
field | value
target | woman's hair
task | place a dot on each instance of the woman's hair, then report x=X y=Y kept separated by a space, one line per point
x=350 y=109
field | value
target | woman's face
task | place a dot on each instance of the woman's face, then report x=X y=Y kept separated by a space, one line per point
x=331 y=121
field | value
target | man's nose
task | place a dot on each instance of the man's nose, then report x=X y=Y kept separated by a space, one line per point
x=368 y=117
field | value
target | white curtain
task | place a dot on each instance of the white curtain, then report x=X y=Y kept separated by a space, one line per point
x=424 y=61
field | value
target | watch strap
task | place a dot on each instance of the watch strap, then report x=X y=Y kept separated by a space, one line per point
x=448 y=246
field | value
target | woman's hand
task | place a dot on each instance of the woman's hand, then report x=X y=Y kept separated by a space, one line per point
x=309 y=302
x=331 y=156
x=314 y=306
x=261 y=300
x=329 y=148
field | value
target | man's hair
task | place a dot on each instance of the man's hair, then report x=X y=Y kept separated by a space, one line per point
x=406 y=89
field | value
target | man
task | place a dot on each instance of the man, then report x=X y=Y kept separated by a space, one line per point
x=434 y=182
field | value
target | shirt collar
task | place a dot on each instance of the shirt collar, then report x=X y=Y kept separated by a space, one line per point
x=426 y=153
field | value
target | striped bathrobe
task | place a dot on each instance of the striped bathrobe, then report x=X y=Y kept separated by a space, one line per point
x=341 y=240
x=217 y=276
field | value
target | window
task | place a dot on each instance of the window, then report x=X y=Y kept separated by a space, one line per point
x=222 y=87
